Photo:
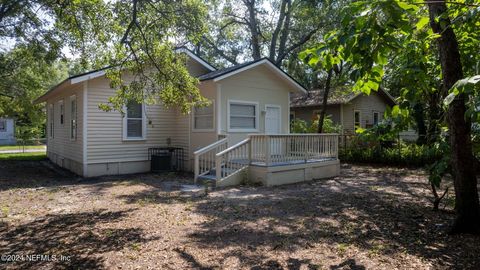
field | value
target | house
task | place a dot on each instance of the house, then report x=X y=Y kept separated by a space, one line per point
x=345 y=107
x=7 y=131
x=247 y=101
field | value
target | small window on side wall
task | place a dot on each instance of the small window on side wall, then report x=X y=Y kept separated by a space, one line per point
x=73 y=118
x=51 y=121
x=357 y=119
x=376 y=118
x=203 y=117
x=134 y=122
x=62 y=111
x=3 y=125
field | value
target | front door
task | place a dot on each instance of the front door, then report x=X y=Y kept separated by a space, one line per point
x=272 y=126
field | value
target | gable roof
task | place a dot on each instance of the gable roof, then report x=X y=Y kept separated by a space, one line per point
x=338 y=95
x=100 y=72
x=221 y=74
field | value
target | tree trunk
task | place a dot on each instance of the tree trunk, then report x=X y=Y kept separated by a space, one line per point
x=419 y=116
x=326 y=91
x=465 y=182
x=253 y=26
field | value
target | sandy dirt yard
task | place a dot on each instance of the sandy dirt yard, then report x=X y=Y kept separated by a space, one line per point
x=367 y=218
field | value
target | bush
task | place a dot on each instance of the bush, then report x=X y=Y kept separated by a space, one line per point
x=400 y=154
x=302 y=126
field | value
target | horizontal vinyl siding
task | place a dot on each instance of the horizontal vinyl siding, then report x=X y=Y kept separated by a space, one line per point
x=260 y=85
x=366 y=105
x=105 y=129
x=60 y=144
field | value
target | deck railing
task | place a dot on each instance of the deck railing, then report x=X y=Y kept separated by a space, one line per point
x=233 y=159
x=265 y=150
x=204 y=159
x=278 y=149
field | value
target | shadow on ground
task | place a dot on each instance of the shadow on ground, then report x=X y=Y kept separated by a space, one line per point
x=376 y=213
x=75 y=235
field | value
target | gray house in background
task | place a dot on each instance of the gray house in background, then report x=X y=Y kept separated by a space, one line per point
x=345 y=107
x=7 y=131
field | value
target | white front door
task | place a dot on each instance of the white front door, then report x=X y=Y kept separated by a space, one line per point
x=272 y=126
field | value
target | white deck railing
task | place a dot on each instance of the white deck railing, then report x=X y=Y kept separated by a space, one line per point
x=264 y=150
x=205 y=158
x=233 y=159
x=279 y=149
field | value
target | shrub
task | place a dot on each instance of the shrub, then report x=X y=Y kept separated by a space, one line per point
x=302 y=126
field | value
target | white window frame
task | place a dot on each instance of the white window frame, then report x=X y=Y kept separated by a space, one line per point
x=61 y=108
x=73 y=138
x=213 y=119
x=359 y=119
x=144 y=125
x=243 y=102
x=4 y=129
x=373 y=118
x=51 y=119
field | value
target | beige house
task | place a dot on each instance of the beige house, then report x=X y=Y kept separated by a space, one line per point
x=248 y=101
x=345 y=108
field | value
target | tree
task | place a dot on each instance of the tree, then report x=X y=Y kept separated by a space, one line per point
x=466 y=193
x=374 y=32
x=272 y=29
x=131 y=36
x=24 y=76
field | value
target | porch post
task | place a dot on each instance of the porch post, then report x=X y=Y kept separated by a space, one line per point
x=267 y=150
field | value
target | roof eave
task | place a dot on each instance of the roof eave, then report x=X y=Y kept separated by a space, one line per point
x=299 y=88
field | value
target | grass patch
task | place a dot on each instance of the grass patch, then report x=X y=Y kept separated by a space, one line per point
x=24 y=156
x=19 y=147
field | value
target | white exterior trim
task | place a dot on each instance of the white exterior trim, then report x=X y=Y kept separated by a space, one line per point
x=279 y=119
x=219 y=108
x=269 y=64
x=213 y=120
x=144 y=125
x=87 y=77
x=84 y=128
x=257 y=116
x=100 y=73
x=70 y=99
x=196 y=58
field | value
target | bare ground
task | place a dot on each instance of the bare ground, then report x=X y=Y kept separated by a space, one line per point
x=367 y=218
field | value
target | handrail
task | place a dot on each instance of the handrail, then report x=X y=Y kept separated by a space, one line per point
x=293 y=134
x=233 y=159
x=204 y=158
x=210 y=146
x=233 y=147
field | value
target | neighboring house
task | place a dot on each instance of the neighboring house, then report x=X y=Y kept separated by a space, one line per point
x=7 y=131
x=345 y=107
x=251 y=98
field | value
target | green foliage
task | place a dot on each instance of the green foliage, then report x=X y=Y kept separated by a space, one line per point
x=34 y=156
x=25 y=75
x=403 y=154
x=302 y=126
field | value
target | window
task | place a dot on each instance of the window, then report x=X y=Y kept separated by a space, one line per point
x=73 y=118
x=375 y=118
x=62 y=111
x=357 y=119
x=243 y=116
x=203 y=117
x=3 y=125
x=134 y=122
x=51 y=121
